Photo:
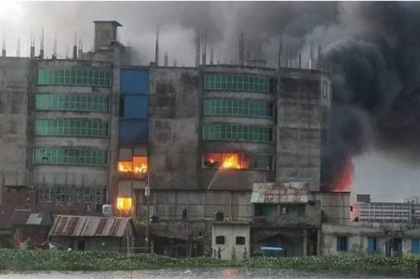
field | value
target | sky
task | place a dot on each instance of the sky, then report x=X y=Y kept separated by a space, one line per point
x=374 y=45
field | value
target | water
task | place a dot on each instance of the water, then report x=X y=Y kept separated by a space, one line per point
x=198 y=273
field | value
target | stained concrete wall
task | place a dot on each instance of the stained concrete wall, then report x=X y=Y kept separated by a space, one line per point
x=336 y=206
x=301 y=125
x=105 y=34
x=358 y=234
x=230 y=231
x=113 y=151
x=173 y=127
x=168 y=204
x=311 y=218
x=15 y=88
x=357 y=240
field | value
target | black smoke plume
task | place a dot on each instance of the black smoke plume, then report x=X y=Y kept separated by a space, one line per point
x=376 y=86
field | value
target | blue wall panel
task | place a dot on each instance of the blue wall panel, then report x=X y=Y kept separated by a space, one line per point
x=134 y=81
x=133 y=132
x=136 y=106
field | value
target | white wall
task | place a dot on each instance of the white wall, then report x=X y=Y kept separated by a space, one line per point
x=230 y=231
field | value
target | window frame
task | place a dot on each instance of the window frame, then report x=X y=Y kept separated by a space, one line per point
x=236 y=82
x=220 y=240
x=74 y=77
x=240 y=240
x=342 y=243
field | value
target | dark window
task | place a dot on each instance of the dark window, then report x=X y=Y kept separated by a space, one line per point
x=271 y=107
x=81 y=245
x=301 y=211
x=240 y=240
x=325 y=88
x=122 y=107
x=342 y=243
x=220 y=239
x=258 y=210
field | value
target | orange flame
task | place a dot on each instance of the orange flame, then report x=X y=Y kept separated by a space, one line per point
x=231 y=161
x=345 y=179
x=140 y=169
x=124 y=166
x=139 y=165
x=124 y=203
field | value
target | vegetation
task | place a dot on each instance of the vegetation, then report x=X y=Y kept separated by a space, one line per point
x=63 y=260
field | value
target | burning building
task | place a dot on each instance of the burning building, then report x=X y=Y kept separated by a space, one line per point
x=92 y=130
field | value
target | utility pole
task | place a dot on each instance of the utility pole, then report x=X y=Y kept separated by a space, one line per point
x=147 y=194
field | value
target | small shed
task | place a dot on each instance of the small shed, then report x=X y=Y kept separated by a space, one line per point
x=24 y=228
x=231 y=238
x=93 y=233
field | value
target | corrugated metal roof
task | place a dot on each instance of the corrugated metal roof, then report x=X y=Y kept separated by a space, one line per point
x=291 y=192
x=89 y=226
x=12 y=217
x=34 y=219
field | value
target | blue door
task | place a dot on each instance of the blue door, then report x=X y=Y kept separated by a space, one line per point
x=415 y=246
x=373 y=245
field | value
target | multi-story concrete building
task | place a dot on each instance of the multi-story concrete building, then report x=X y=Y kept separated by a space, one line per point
x=91 y=130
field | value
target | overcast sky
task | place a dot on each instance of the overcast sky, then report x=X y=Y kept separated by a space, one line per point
x=333 y=25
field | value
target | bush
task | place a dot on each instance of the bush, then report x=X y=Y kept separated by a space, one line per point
x=77 y=260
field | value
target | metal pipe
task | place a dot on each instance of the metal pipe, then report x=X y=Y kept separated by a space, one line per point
x=147 y=194
x=300 y=61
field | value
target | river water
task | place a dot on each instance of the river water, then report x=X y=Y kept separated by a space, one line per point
x=198 y=273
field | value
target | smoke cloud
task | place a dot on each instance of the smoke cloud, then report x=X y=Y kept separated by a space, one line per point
x=374 y=47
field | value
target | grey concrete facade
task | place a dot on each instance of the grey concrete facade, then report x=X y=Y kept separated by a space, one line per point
x=335 y=206
x=65 y=175
x=303 y=109
x=174 y=128
x=224 y=179
x=16 y=81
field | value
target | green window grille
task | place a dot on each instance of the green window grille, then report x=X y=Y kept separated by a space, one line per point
x=233 y=132
x=70 y=156
x=252 y=83
x=238 y=107
x=72 y=102
x=74 y=77
x=71 y=127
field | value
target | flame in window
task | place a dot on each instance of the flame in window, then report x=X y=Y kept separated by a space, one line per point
x=124 y=203
x=137 y=166
x=231 y=161
x=226 y=160
x=125 y=166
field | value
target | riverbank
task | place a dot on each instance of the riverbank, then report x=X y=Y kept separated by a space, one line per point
x=199 y=273
x=96 y=261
